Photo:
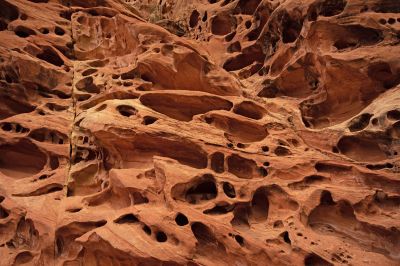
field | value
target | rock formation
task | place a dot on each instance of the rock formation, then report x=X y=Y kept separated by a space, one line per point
x=199 y=132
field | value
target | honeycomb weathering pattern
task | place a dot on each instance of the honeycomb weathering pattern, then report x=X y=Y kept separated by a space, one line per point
x=199 y=132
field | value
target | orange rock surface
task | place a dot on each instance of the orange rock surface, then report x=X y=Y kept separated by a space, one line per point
x=199 y=132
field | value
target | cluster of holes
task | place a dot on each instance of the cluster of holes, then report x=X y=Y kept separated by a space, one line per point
x=13 y=127
x=390 y=21
x=45 y=135
x=83 y=154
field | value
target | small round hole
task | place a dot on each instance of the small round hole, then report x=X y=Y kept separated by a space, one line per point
x=161 y=237
x=59 y=31
x=181 y=219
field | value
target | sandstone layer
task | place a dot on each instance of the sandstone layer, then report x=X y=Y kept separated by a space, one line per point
x=199 y=132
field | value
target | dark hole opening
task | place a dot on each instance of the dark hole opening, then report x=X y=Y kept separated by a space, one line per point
x=181 y=219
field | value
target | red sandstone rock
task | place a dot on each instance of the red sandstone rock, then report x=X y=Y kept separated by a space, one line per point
x=182 y=132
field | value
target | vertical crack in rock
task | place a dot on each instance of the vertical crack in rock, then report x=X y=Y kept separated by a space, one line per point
x=71 y=144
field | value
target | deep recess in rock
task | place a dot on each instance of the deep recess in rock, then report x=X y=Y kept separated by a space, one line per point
x=212 y=132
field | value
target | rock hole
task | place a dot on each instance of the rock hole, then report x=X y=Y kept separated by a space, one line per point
x=260 y=205
x=286 y=237
x=148 y=120
x=24 y=32
x=206 y=189
x=202 y=233
x=240 y=216
x=181 y=219
x=360 y=122
x=23 y=257
x=54 y=164
x=241 y=145
x=89 y=71
x=230 y=36
x=8 y=12
x=50 y=56
x=44 y=31
x=146 y=229
x=74 y=210
x=43 y=177
x=332 y=7
x=291 y=28
x=59 y=31
x=3 y=25
x=386 y=6
x=7 y=127
x=265 y=148
x=86 y=84
x=278 y=224
x=234 y=47
x=282 y=151
x=194 y=18
x=21 y=159
x=205 y=16
x=315 y=260
x=249 y=109
x=263 y=171
x=3 y=213
x=222 y=24
x=247 y=7
x=382 y=72
x=47 y=135
x=220 y=208
x=127 y=110
x=393 y=114
x=229 y=190
x=248 y=56
x=127 y=219
x=239 y=239
x=363 y=148
x=183 y=107
x=217 y=162
x=101 y=107
x=242 y=167
x=161 y=237
x=59 y=246
x=138 y=198
x=326 y=198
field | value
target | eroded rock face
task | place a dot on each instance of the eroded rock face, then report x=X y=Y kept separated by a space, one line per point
x=182 y=132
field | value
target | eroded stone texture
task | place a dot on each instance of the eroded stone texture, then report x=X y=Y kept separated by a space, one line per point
x=182 y=132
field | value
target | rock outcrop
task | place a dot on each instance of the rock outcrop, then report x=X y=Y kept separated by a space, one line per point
x=199 y=132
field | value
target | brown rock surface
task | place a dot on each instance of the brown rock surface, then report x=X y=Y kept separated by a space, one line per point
x=199 y=132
